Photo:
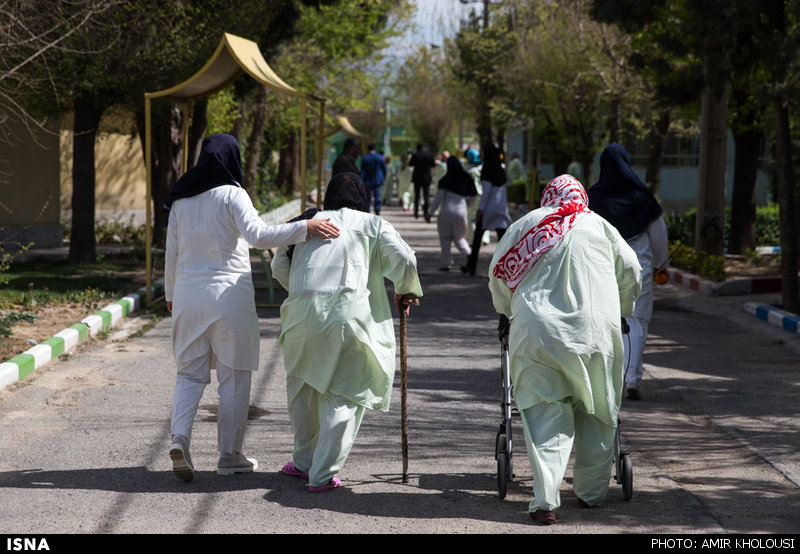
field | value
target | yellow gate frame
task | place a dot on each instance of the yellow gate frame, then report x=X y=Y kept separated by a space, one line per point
x=234 y=56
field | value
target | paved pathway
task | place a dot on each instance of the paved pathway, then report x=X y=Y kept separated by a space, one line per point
x=715 y=440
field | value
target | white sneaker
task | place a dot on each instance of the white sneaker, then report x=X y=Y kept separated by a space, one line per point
x=230 y=464
x=181 y=461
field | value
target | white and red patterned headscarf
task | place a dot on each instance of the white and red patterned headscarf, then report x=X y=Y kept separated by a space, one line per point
x=570 y=197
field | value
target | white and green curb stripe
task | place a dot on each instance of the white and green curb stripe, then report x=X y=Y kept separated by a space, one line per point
x=22 y=365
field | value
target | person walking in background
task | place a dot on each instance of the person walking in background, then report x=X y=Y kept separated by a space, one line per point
x=625 y=202
x=391 y=180
x=373 y=174
x=441 y=166
x=473 y=165
x=565 y=277
x=492 y=211
x=515 y=170
x=209 y=292
x=346 y=161
x=455 y=193
x=575 y=168
x=423 y=163
x=404 y=182
x=337 y=332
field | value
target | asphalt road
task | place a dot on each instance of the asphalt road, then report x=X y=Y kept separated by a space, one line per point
x=715 y=441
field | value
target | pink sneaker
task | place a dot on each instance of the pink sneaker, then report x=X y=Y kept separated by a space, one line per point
x=332 y=484
x=289 y=469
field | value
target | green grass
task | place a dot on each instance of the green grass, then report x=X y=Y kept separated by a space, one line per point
x=45 y=282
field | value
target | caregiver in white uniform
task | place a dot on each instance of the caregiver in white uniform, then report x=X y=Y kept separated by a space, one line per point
x=209 y=291
x=623 y=200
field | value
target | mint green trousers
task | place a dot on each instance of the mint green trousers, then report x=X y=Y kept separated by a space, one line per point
x=325 y=427
x=551 y=430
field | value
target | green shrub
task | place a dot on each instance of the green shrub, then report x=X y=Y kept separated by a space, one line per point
x=768 y=225
x=120 y=233
x=517 y=192
x=698 y=263
x=680 y=227
x=12 y=318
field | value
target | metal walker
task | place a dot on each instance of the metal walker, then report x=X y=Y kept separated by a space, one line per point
x=503 y=449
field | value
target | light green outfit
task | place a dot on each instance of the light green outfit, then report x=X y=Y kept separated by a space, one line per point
x=474 y=171
x=337 y=331
x=566 y=351
x=405 y=187
x=515 y=171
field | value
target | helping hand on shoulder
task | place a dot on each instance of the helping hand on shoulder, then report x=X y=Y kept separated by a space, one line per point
x=322 y=228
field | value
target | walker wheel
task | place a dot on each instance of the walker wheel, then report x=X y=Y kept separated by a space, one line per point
x=502 y=473
x=627 y=476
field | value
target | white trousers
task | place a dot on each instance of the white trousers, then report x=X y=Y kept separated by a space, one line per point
x=234 y=401
x=452 y=228
x=325 y=427
x=634 y=343
x=551 y=429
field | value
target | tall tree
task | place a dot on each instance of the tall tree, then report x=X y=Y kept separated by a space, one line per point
x=570 y=75
x=332 y=55
x=30 y=33
x=428 y=102
x=777 y=30
x=478 y=53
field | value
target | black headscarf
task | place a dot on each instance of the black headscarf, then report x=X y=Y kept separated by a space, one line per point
x=346 y=190
x=457 y=179
x=620 y=196
x=492 y=169
x=219 y=163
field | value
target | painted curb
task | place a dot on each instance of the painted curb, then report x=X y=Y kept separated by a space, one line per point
x=726 y=288
x=770 y=314
x=22 y=365
x=786 y=320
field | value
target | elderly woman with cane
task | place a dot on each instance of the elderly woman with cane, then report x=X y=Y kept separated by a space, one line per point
x=209 y=291
x=337 y=332
x=565 y=278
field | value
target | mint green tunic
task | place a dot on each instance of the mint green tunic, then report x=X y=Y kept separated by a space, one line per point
x=337 y=331
x=565 y=342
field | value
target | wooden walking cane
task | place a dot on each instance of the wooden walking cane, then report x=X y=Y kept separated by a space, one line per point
x=404 y=300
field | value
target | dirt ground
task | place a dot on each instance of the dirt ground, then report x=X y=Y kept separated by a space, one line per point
x=51 y=319
x=743 y=267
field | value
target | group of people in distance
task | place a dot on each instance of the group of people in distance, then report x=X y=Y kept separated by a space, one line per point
x=565 y=274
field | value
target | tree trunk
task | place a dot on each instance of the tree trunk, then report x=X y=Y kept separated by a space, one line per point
x=286 y=179
x=484 y=119
x=778 y=61
x=743 y=200
x=170 y=155
x=83 y=244
x=710 y=224
x=253 y=154
x=786 y=200
x=658 y=136
x=197 y=130
x=587 y=161
x=614 y=117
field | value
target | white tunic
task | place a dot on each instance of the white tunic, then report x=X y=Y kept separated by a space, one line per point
x=494 y=206
x=652 y=249
x=207 y=274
